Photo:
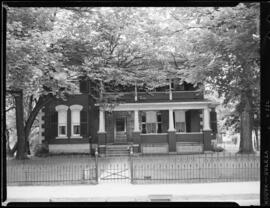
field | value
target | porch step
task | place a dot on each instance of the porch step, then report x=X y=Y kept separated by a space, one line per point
x=117 y=150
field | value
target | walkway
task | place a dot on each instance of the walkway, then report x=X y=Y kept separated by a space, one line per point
x=243 y=193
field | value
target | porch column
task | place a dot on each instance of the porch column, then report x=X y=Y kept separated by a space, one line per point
x=207 y=132
x=101 y=132
x=101 y=121
x=171 y=133
x=171 y=123
x=136 y=121
x=206 y=119
x=136 y=132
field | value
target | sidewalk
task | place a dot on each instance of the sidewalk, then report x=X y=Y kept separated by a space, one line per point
x=243 y=193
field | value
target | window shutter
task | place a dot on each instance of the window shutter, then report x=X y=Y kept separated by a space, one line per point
x=54 y=124
x=213 y=121
x=84 y=86
x=165 y=120
x=83 y=123
x=54 y=117
x=188 y=120
x=83 y=116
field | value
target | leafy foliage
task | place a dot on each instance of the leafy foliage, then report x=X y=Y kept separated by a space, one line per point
x=49 y=48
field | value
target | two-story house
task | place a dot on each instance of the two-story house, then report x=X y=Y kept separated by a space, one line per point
x=171 y=119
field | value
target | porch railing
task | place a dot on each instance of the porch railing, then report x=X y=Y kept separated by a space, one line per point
x=153 y=96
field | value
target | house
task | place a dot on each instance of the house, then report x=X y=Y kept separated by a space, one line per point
x=171 y=119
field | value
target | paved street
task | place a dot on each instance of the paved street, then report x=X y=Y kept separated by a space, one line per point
x=243 y=193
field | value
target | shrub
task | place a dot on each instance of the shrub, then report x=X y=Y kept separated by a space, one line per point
x=234 y=139
x=218 y=149
x=41 y=150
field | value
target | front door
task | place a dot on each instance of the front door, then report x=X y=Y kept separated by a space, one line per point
x=120 y=130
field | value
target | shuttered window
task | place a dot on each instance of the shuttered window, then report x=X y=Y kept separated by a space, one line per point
x=75 y=120
x=188 y=121
x=52 y=130
x=84 y=86
x=62 y=120
x=83 y=126
x=180 y=121
x=151 y=122
x=213 y=121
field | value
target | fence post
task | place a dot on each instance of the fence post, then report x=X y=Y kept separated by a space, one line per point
x=131 y=164
x=96 y=163
x=26 y=176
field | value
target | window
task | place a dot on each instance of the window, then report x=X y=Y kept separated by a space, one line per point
x=151 y=122
x=76 y=120
x=159 y=123
x=143 y=123
x=62 y=120
x=180 y=121
x=172 y=85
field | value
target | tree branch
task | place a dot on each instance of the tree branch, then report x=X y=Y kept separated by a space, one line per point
x=10 y=108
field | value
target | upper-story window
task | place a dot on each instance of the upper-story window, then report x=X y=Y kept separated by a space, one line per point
x=75 y=120
x=151 y=122
x=84 y=86
x=62 y=120
x=178 y=85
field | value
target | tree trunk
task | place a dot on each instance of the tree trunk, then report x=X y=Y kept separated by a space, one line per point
x=257 y=139
x=44 y=100
x=14 y=149
x=29 y=110
x=33 y=114
x=8 y=149
x=21 y=154
x=246 y=145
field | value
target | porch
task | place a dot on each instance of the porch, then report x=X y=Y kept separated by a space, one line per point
x=182 y=127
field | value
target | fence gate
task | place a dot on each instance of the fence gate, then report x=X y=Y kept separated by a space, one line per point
x=114 y=169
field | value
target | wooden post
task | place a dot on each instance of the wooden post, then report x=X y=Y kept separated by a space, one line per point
x=136 y=121
x=171 y=122
x=101 y=121
x=131 y=164
x=170 y=90
x=136 y=93
x=101 y=90
x=96 y=164
x=206 y=119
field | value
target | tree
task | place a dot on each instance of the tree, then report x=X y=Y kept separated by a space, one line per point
x=32 y=70
x=35 y=55
x=49 y=48
x=226 y=52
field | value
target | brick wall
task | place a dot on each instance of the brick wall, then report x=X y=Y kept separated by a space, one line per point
x=51 y=115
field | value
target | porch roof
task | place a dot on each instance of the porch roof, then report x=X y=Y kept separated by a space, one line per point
x=162 y=106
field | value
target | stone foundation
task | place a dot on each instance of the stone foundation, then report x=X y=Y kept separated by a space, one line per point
x=69 y=148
